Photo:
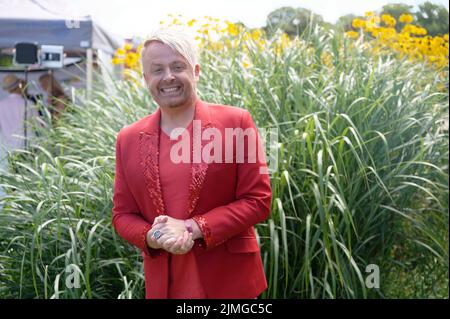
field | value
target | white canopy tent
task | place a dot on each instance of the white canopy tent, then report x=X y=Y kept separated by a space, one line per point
x=51 y=22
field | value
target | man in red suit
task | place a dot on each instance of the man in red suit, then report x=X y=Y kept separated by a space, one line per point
x=191 y=215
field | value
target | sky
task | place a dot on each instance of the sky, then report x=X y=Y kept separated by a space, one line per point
x=128 y=18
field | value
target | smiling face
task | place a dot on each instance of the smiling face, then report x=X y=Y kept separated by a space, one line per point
x=169 y=77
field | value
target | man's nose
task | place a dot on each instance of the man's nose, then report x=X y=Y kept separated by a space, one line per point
x=168 y=75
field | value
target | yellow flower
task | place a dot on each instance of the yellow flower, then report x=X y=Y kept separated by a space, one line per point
x=409 y=28
x=437 y=41
x=352 y=34
x=175 y=21
x=369 y=14
x=261 y=44
x=406 y=18
x=191 y=22
x=285 y=41
x=217 y=46
x=388 y=20
x=363 y=24
x=376 y=32
x=370 y=25
x=232 y=29
x=375 y=20
x=421 y=31
x=127 y=46
x=326 y=59
x=120 y=52
x=357 y=23
x=116 y=60
x=389 y=32
x=256 y=35
x=131 y=59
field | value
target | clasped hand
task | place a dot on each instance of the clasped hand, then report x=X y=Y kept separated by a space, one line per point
x=175 y=238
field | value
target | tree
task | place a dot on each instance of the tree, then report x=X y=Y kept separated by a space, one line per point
x=292 y=21
x=345 y=22
x=433 y=17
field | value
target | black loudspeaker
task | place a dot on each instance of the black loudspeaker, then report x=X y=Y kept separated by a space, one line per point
x=26 y=53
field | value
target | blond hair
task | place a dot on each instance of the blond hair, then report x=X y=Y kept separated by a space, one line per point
x=178 y=40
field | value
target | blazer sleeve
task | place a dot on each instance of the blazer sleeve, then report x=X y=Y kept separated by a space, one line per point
x=126 y=217
x=253 y=199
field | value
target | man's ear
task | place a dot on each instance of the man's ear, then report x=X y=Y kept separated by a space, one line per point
x=197 y=72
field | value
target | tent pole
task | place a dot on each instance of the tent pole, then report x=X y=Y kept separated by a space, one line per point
x=89 y=72
x=25 y=97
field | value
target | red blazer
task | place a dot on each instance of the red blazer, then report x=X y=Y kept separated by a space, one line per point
x=226 y=200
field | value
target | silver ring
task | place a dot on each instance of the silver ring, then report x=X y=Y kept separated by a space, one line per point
x=157 y=234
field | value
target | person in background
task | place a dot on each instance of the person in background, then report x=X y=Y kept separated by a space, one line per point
x=57 y=99
x=12 y=118
x=12 y=114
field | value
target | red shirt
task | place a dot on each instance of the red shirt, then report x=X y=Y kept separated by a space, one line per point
x=184 y=280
